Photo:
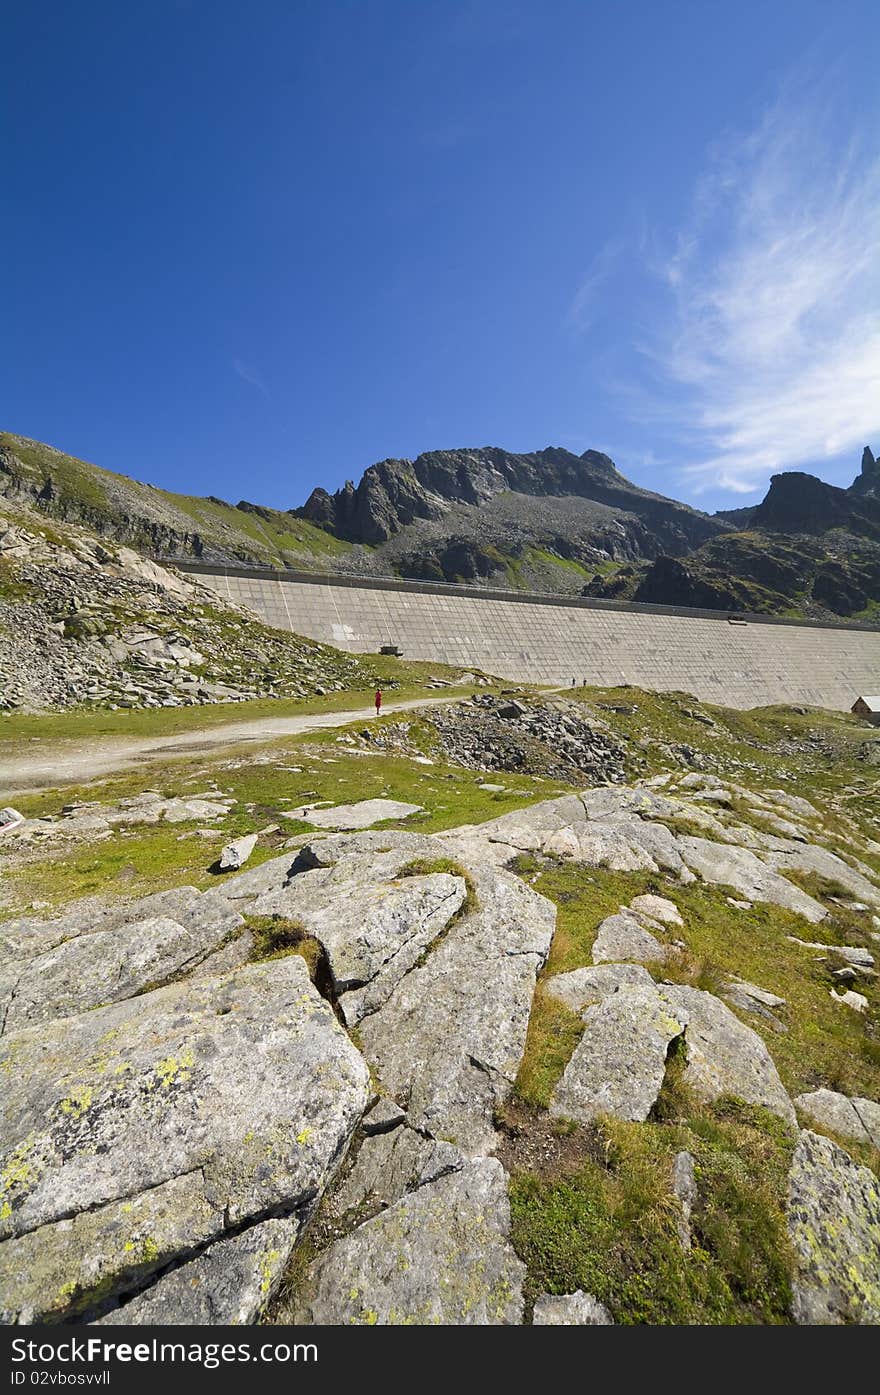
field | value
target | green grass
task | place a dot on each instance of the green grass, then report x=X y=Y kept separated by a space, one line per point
x=609 y=1225
x=276 y=937
x=130 y=863
x=539 y=556
x=606 y=569
x=567 y=563
x=826 y=1044
x=137 y=861
x=554 y=1032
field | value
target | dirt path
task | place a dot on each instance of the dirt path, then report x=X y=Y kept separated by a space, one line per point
x=77 y=761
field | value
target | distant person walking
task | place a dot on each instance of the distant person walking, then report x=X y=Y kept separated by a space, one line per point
x=378 y=700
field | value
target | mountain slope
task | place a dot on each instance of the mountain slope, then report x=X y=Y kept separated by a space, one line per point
x=809 y=548
x=761 y=573
x=394 y=493
x=154 y=520
x=520 y=520
x=543 y=520
x=800 y=503
x=547 y=520
x=84 y=623
x=867 y=482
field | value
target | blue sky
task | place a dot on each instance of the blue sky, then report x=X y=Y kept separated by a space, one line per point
x=251 y=248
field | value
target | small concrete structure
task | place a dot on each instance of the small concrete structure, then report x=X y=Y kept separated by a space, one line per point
x=869 y=708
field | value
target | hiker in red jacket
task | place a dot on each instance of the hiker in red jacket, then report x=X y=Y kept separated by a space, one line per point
x=378 y=700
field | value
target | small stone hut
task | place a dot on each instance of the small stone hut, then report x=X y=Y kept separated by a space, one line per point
x=869 y=708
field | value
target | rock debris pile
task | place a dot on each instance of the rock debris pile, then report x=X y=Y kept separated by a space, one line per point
x=552 y=738
x=85 y=623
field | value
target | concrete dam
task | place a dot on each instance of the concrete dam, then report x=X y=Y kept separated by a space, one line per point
x=737 y=661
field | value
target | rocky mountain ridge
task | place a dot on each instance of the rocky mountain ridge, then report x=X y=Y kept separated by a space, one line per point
x=395 y=493
x=809 y=548
x=548 y=520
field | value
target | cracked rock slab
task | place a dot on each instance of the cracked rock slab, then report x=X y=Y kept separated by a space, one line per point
x=614 y=835
x=360 y=815
x=724 y=1056
x=108 y=966
x=750 y=999
x=849 y=954
x=629 y=845
x=182 y=810
x=441 y=1255
x=619 y=1063
x=245 y=1084
x=59 y=1269
x=385 y=1115
x=389 y=1165
x=618 y=1066
x=851 y=1117
x=448 y=1043
x=231 y=1283
x=26 y=937
x=396 y=844
x=581 y=987
x=372 y=930
x=625 y=829
x=657 y=908
x=833 y=1217
x=818 y=860
x=96 y=953
x=748 y=875
x=856 y=1002
x=757 y=995
x=244 y=888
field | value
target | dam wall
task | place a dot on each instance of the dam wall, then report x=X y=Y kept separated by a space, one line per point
x=746 y=661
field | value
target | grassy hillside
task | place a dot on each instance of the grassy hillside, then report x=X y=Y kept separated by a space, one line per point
x=156 y=520
x=763 y=573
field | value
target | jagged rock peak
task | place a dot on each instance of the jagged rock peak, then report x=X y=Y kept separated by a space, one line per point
x=801 y=503
x=394 y=493
x=868 y=480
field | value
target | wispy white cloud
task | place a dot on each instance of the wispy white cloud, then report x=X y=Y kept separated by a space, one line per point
x=774 y=340
x=583 y=306
x=249 y=374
